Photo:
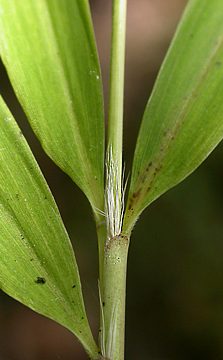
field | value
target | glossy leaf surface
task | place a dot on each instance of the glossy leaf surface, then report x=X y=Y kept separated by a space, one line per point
x=49 y=51
x=183 y=120
x=37 y=264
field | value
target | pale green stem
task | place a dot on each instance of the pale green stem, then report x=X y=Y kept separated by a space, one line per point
x=113 y=276
x=113 y=300
x=117 y=69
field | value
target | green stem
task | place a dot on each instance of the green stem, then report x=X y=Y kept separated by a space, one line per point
x=113 y=275
x=113 y=300
x=117 y=69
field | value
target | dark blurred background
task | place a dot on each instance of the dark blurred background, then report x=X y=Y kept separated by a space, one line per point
x=175 y=275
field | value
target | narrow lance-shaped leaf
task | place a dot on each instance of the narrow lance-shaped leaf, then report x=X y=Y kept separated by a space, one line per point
x=37 y=264
x=183 y=120
x=49 y=52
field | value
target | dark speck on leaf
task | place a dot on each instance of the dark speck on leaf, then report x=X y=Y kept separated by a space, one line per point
x=103 y=303
x=31 y=259
x=40 y=280
x=136 y=194
x=73 y=286
x=149 y=165
x=218 y=63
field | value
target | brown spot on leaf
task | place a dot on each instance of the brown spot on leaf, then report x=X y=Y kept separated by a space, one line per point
x=136 y=194
x=130 y=204
x=149 y=166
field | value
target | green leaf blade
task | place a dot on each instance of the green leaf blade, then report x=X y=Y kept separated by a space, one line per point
x=37 y=265
x=49 y=52
x=183 y=120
